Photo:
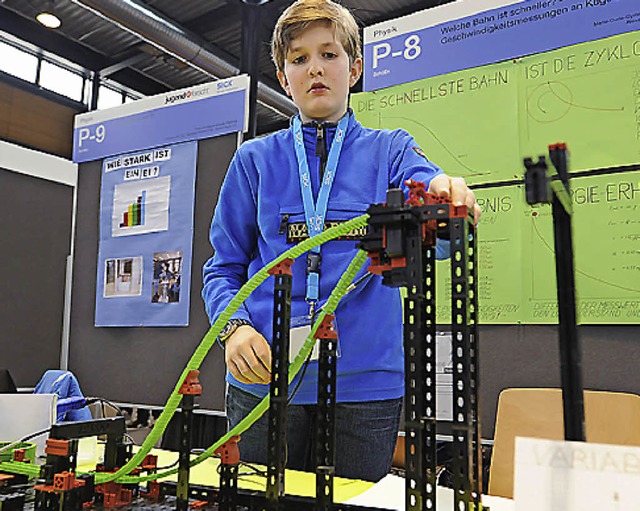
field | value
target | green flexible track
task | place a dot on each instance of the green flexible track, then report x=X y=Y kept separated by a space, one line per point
x=206 y=344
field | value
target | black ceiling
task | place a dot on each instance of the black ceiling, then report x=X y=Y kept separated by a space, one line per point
x=101 y=45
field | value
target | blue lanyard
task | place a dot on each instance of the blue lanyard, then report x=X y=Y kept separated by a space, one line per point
x=315 y=213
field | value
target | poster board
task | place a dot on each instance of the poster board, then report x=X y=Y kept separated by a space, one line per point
x=480 y=123
x=142 y=365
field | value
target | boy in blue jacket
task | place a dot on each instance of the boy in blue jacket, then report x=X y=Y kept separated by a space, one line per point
x=326 y=167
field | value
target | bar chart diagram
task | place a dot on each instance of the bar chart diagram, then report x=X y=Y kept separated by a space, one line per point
x=134 y=215
x=140 y=207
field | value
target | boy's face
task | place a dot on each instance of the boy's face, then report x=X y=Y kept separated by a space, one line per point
x=317 y=74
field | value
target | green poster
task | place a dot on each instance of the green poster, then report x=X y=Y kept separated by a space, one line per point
x=481 y=123
x=587 y=96
x=499 y=259
x=465 y=121
x=606 y=241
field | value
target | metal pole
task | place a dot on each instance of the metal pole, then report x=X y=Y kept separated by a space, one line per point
x=251 y=38
x=570 y=355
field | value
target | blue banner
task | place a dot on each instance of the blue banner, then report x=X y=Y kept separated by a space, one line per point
x=400 y=51
x=146 y=237
x=204 y=111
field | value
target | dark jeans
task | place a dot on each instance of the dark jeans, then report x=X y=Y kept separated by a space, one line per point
x=366 y=435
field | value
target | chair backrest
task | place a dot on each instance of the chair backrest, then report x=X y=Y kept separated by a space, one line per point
x=610 y=418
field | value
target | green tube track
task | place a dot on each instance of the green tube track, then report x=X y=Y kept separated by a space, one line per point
x=207 y=343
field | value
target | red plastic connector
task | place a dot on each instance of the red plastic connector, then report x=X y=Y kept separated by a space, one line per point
x=326 y=329
x=114 y=495
x=57 y=447
x=560 y=146
x=229 y=452
x=66 y=481
x=150 y=462
x=18 y=455
x=282 y=268
x=377 y=268
x=153 y=491
x=191 y=385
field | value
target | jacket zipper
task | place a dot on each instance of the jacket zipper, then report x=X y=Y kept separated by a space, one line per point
x=321 y=148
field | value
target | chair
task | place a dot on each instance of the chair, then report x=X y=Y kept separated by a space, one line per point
x=610 y=418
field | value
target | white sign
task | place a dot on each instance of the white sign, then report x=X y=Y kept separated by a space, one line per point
x=553 y=475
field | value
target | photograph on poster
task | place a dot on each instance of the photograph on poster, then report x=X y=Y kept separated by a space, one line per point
x=140 y=207
x=123 y=277
x=167 y=273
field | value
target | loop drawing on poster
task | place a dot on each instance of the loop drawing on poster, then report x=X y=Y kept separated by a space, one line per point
x=146 y=237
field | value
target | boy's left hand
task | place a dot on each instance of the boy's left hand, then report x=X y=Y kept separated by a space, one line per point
x=456 y=190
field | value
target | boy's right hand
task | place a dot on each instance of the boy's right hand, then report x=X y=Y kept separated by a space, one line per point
x=248 y=356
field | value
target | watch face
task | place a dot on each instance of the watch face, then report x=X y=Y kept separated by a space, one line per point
x=227 y=330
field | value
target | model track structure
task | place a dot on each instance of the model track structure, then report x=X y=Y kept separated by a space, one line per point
x=400 y=242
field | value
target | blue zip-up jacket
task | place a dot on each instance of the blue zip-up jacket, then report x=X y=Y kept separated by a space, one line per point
x=261 y=191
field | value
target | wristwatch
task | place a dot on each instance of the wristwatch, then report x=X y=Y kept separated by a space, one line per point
x=229 y=329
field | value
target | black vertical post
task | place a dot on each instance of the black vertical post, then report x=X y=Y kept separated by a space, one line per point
x=279 y=389
x=420 y=397
x=570 y=355
x=182 y=490
x=462 y=401
x=251 y=39
x=229 y=463
x=326 y=414
x=95 y=88
x=474 y=368
x=189 y=389
x=428 y=388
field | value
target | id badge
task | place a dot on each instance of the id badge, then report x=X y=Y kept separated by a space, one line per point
x=300 y=330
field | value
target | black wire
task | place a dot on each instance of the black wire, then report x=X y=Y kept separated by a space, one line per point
x=24 y=439
x=102 y=402
x=256 y=470
x=304 y=370
x=354 y=284
x=33 y=435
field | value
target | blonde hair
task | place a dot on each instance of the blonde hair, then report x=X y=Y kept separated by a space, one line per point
x=302 y=13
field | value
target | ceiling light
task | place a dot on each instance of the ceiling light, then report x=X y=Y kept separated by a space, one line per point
x=47 y=16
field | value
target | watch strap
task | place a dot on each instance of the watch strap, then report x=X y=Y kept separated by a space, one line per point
x=229 y=329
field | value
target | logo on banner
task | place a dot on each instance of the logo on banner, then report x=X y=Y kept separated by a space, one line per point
x=183 y=96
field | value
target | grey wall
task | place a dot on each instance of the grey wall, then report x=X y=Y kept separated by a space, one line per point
x=35 y=229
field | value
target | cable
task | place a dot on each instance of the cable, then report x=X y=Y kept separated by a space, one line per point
x=102 y=402
x=24 y=439
x=352 y=286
